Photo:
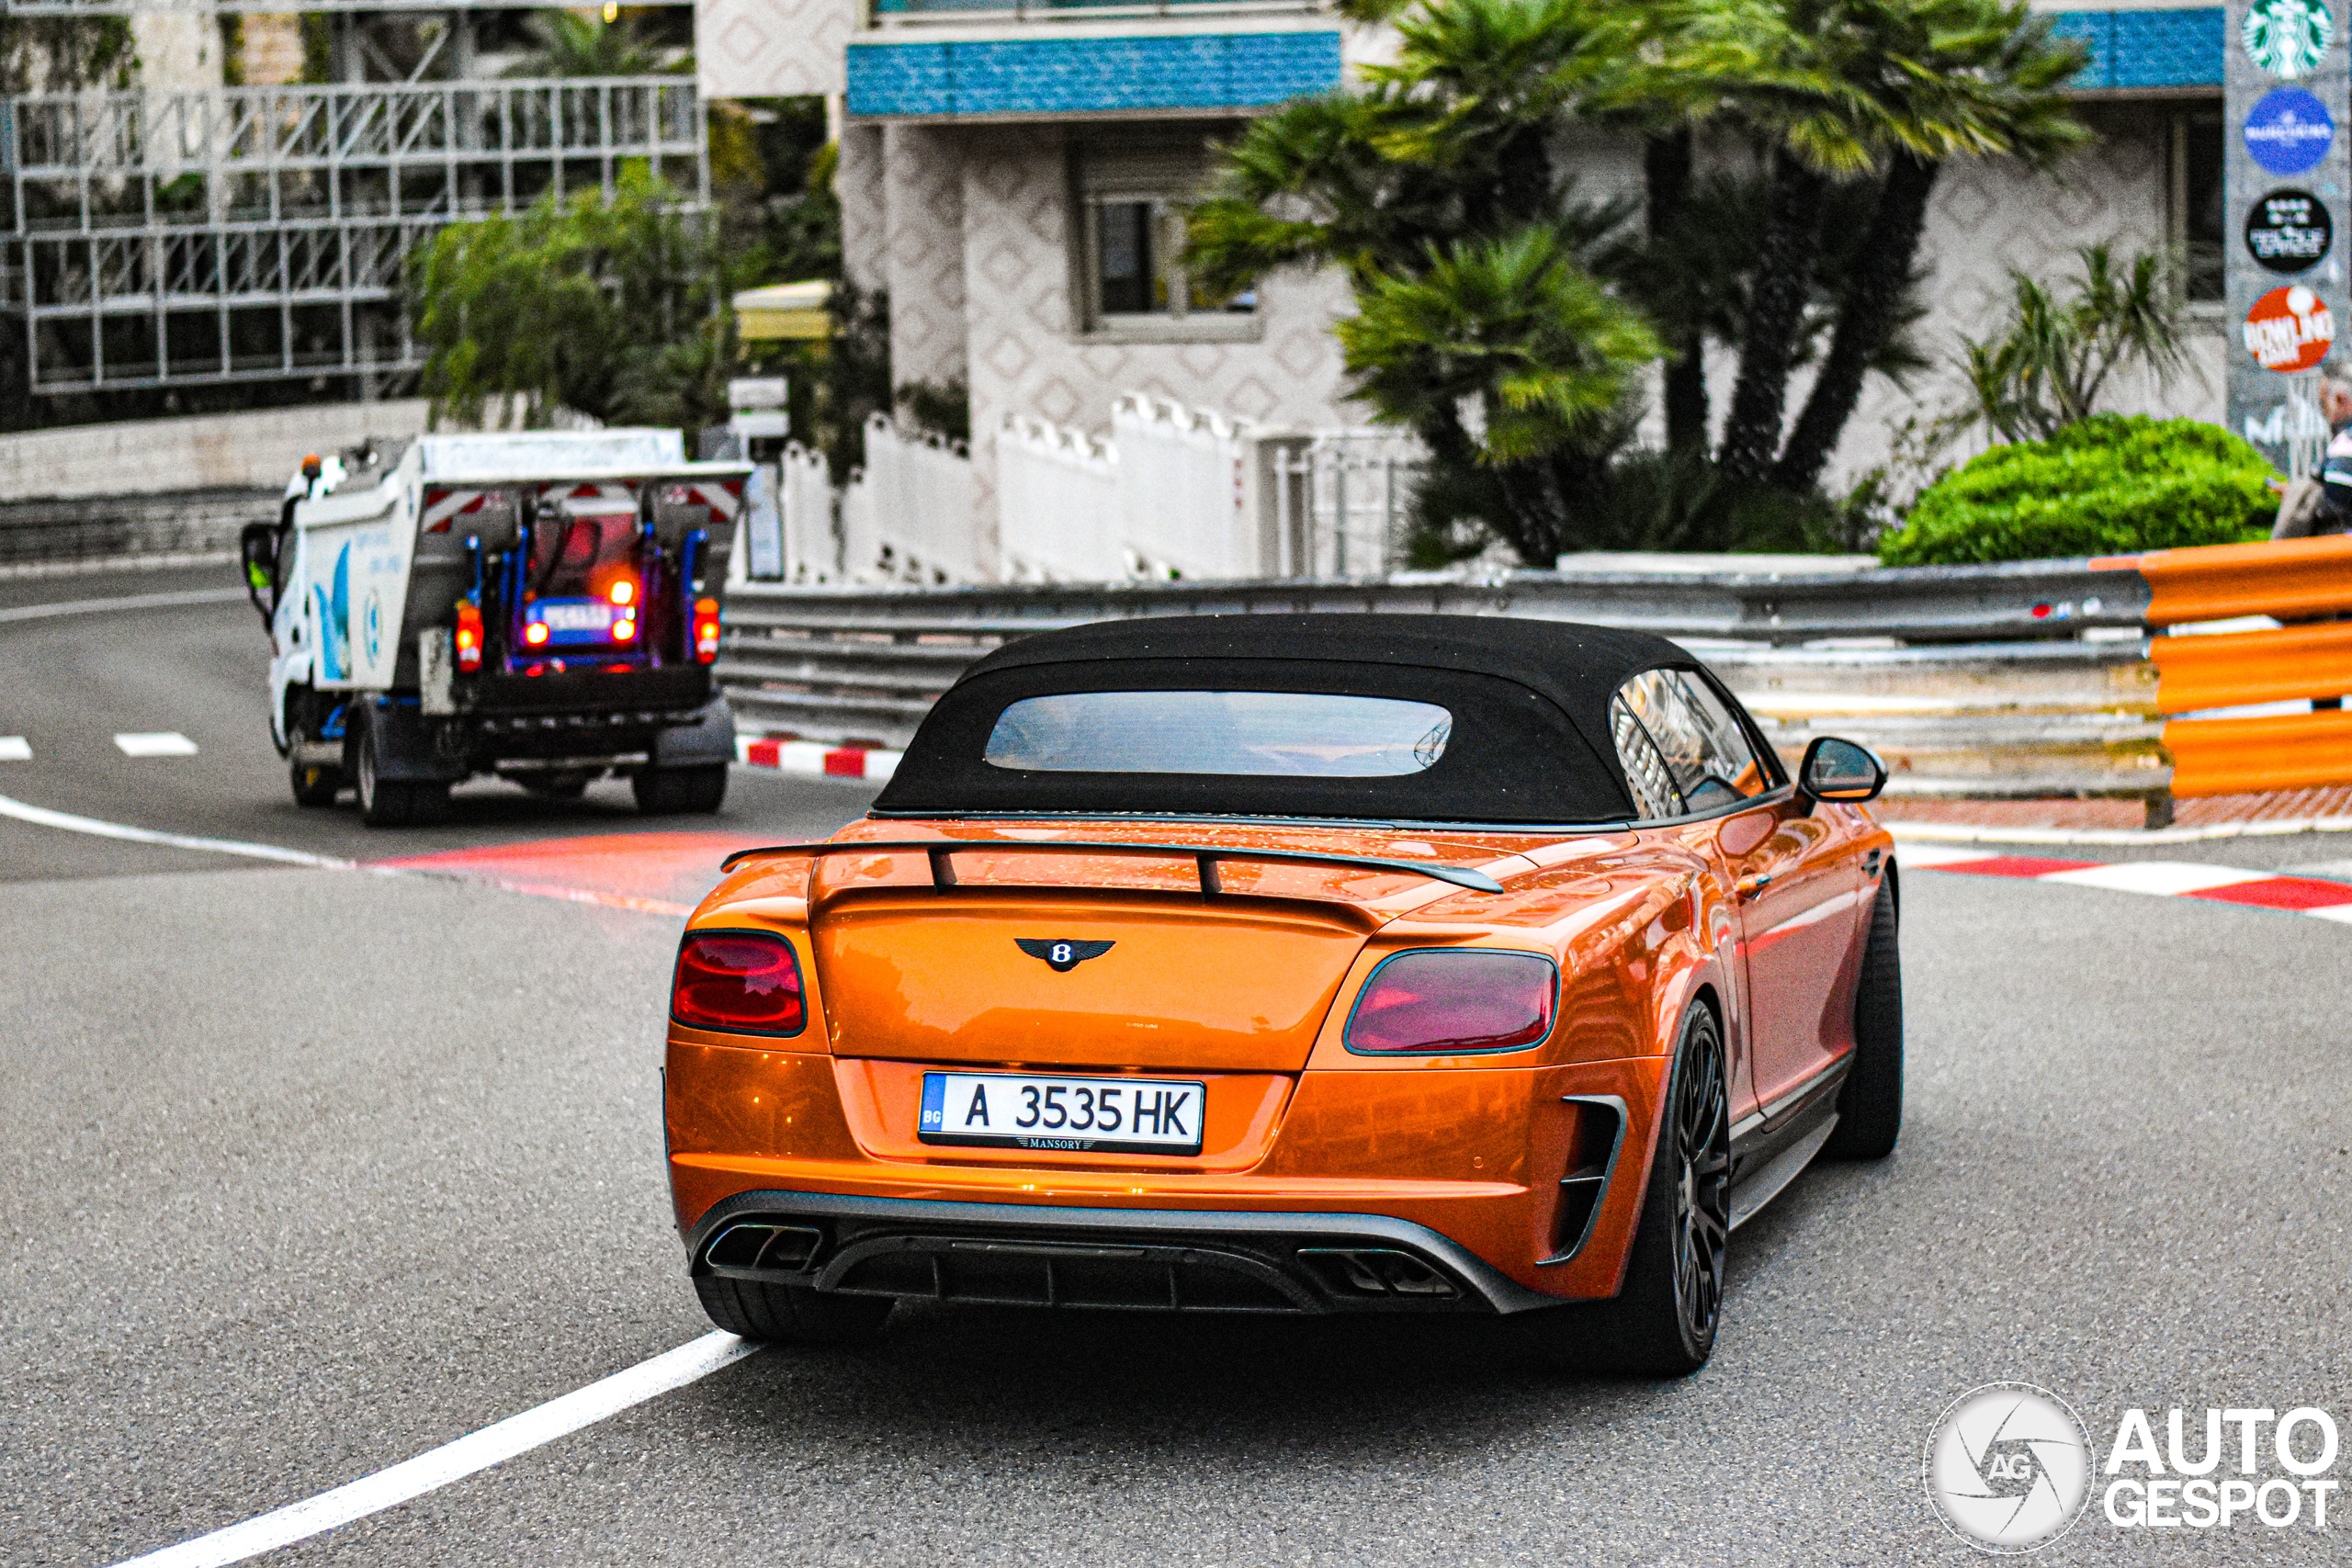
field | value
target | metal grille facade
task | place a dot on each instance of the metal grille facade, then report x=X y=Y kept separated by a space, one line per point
x=182 y=237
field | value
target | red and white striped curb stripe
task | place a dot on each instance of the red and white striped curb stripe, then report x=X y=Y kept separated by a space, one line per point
x=2163 y=878
x=815 y=758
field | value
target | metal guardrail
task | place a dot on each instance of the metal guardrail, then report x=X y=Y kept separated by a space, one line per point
x=2019 y=601
x=1979 y=685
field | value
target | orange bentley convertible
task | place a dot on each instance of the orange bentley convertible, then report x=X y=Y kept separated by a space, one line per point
x=1293 y=963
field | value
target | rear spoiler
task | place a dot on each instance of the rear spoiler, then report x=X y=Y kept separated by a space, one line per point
x=1204 y=856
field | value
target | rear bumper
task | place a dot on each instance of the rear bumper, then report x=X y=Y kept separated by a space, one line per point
x=1484 y=1177
x=1134 y=1259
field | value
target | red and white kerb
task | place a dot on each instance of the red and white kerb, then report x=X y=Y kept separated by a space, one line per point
x=2162 y=878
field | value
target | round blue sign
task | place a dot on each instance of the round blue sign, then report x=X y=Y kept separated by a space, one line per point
x=2288 y=130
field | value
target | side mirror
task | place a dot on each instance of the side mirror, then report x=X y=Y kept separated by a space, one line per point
x=1839 y=770
x=257 y=552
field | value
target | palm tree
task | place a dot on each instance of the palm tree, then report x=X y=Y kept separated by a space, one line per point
x=1433 y=188
x=1989 y=77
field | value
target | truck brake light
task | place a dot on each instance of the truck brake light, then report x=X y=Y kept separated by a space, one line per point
x=705 y=631
x=624 y=631
x=1437 y=1002
x=468 y=636
x=536 y=633
x=745 y=981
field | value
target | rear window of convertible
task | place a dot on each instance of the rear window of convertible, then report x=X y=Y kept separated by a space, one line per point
x=1306 y=734
x=1253 y=737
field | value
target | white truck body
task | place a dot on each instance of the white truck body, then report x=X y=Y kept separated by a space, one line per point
x=376 y=548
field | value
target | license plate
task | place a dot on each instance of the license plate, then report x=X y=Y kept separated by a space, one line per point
x=1020 y=1111
x=588 y=617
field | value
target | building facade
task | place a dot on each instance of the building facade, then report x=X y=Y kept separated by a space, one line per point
x=1016 y=176
x=241 y=211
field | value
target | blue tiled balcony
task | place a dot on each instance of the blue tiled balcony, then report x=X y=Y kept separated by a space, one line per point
x=2146 y=48
x=1090 y=75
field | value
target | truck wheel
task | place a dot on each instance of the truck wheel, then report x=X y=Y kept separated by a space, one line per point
x=395 y=803
x=663 y=792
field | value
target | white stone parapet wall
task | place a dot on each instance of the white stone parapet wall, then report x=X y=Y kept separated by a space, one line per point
x=258 y=450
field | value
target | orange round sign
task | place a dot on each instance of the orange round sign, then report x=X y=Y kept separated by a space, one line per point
x=2289 y=329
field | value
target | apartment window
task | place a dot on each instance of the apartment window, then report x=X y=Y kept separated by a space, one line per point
x=1135 y=191
x=2198 y=223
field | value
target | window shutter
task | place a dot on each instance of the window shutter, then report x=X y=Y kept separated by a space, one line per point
x=1140 y=168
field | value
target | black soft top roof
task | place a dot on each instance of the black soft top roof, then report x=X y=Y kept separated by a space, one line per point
x=1531 y=736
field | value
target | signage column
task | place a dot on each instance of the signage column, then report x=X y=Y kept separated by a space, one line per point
x=2288 y=101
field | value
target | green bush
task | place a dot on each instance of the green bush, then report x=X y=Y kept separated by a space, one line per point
x=2109 y=485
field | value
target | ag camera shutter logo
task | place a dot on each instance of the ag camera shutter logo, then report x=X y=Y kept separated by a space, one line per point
x=2008 y=1467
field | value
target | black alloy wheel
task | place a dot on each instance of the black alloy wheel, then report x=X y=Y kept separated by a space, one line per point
x=1702 y=1193
x=1663 y=1320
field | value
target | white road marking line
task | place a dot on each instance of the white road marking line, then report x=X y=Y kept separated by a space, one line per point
x=129 y=601
x=155 y=743
x=41 y=815
x=14 y=749
x=493 y=1445
x=1908 y=853
x=2158 y=876
x=1954 y=833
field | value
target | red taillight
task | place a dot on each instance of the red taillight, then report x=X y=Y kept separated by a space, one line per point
x=705 y=631
x=622 y=591
x=624 y=631
x=468 y=636
x=1438 y=1003
x=536 y=633
x=746 y=981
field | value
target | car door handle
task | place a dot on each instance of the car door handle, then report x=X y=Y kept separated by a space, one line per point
x=1750 y=887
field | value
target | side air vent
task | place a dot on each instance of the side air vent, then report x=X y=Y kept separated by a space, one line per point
x=1373 y=1272
x=771 y=1248
x=1592 y=1156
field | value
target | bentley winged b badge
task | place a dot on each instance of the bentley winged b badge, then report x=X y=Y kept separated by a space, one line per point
x=1060 y=954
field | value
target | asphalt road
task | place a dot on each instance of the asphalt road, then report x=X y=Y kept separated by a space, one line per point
x=305 y=1172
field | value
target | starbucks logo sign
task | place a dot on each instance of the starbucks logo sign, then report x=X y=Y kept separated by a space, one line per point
x=2288 y=37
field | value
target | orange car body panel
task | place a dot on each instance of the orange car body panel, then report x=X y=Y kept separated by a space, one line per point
x=1249 y=992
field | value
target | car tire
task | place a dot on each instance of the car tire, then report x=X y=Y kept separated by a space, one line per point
x=1662 y=1321
x=695 y=791
x=394 y=803
x=791 y=1315
x=1869 y=1106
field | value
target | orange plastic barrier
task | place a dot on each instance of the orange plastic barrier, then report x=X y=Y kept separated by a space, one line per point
x=2234 y=669
x=2232 y=756
x=2306 y=581
x=2290 y=579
